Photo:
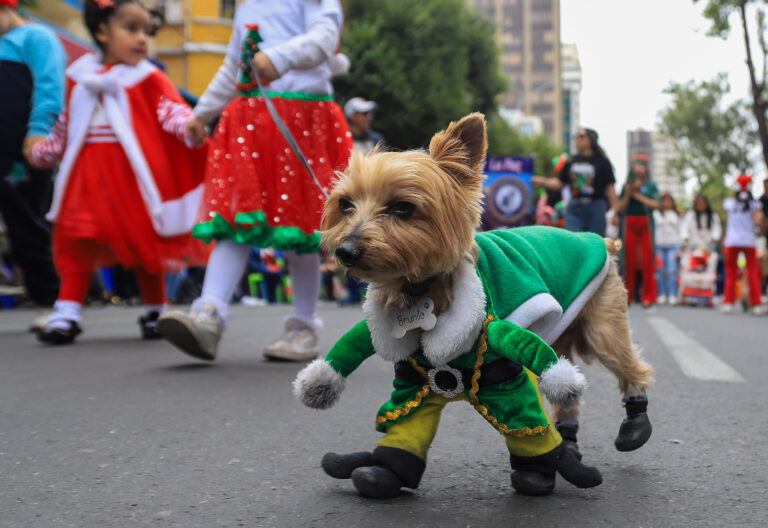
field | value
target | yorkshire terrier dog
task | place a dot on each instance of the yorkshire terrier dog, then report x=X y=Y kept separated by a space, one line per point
x=468 y=316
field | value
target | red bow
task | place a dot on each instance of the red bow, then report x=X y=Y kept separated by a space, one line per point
x=103 y=4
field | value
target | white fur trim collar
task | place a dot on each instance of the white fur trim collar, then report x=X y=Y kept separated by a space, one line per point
x=454 y=334
x=128 y=75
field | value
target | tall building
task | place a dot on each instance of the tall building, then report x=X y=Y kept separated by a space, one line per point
x=660 y=149
x=528 y=35
x=571 y=73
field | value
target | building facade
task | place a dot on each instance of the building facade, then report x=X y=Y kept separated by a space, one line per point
x=191 y=45
x=660 y=149
x=571 y=72
x=528 y=35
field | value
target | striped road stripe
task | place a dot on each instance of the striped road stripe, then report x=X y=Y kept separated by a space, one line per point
x=694 y=360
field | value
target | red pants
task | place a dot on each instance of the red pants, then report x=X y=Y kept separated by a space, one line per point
x=76 y=278
x=732 y=271
x=637 y=235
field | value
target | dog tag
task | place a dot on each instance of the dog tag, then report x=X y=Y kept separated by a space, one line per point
x=418 y=315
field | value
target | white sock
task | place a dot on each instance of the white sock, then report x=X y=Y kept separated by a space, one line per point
x=305 y=277
x=226 y=266
x=63 y=313
x=159 y=308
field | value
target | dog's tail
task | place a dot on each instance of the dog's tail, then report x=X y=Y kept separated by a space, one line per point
x=613 y=245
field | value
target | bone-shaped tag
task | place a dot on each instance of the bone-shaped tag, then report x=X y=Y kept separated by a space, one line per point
x=418 y=315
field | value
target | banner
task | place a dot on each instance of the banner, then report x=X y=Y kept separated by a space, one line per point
x=508 y=192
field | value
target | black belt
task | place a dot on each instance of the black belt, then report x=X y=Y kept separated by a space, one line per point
x=445 y=380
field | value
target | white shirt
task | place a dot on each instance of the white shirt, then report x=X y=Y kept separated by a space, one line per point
x=667 y=225
x=741 y=226
x=300 y=38
x=703 y=236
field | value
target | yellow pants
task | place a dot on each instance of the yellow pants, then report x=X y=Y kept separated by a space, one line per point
x=415 y=433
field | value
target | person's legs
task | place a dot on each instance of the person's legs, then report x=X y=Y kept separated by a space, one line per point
x=574 y=217
x=630 y=258
x=198 y=332
x=24 y=199
x=596 y=222
x=731 y=271
x=648 y=264
x=299 y=342
x=753 y=276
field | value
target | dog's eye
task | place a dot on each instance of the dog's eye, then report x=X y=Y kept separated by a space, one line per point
x=345 y=206
x=401 y=209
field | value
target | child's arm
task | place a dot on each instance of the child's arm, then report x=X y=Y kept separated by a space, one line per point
x=173 y=117
x=314 y=47
x=47 y=152
x=46 y=60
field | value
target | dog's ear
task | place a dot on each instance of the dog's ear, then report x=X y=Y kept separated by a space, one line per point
x=464 y=142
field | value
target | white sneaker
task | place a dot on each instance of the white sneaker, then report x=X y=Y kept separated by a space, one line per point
x=662 y=299
x=197 y=333
x=298 y=343
x=758 y=309
x=726 y=308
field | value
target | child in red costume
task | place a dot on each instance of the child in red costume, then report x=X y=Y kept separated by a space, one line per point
x=744 y=214
x=128 y=188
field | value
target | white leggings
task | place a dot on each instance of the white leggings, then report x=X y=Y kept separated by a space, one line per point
x=225 y=269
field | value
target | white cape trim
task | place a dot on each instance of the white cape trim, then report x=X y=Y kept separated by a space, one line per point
x=171 y=218
x=543 y=315
x=454 y=334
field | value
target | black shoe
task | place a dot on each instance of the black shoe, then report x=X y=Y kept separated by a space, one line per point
x=148 y=325
x=568 y=432
x=60 y=336
x=636 y=428
x=536 y=475
x=376 y=482
x=342 y=466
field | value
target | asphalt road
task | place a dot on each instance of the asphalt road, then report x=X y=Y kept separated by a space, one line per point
x=114 y=431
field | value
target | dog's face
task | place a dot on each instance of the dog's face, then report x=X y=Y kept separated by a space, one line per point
x=395 y=215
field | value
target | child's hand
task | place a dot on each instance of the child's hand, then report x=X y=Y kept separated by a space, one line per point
x=29 y=144
x=196 y=132
x=264 y=67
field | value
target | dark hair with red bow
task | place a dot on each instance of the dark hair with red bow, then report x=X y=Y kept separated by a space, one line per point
x=98 y=12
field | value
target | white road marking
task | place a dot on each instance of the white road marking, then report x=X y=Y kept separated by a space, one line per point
x=693 y=359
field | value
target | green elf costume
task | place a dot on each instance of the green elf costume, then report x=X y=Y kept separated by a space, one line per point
x=488 y=348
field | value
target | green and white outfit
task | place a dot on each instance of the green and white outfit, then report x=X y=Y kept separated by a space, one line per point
x=528 y=285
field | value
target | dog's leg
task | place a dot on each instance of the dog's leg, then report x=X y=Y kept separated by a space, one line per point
x=606 y=336
x=567 y=420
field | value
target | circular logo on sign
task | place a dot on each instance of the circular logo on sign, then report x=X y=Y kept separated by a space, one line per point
x=508 y=200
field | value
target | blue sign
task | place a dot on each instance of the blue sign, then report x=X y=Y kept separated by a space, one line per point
x=508 y=192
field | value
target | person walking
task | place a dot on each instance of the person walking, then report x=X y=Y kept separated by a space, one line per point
x=360 y=112
x=639 y=198
x=32 y=63
x=128 y=187
x=668 y=227
x=744 y=216
x=590 y=179
x=257 y=191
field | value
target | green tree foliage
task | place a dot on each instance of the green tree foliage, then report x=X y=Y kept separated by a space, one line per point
x=425 y=63
x=504 y=140
x=712 y=140
x=720 y=12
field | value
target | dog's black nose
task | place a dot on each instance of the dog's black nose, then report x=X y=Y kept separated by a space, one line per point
x=349 y=253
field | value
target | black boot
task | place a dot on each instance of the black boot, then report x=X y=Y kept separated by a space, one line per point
x=636 y=428
x=393 y=469
x=536 y=475
x=568 y=432
x=60 y=336
x=148 y=325
x=342 y=466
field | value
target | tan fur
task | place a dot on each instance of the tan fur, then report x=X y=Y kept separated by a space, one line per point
x=445 y=186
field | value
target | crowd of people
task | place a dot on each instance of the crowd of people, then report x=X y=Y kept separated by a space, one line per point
x=669 y=256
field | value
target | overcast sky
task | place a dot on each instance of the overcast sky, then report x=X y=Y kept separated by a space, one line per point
x=630 y=50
